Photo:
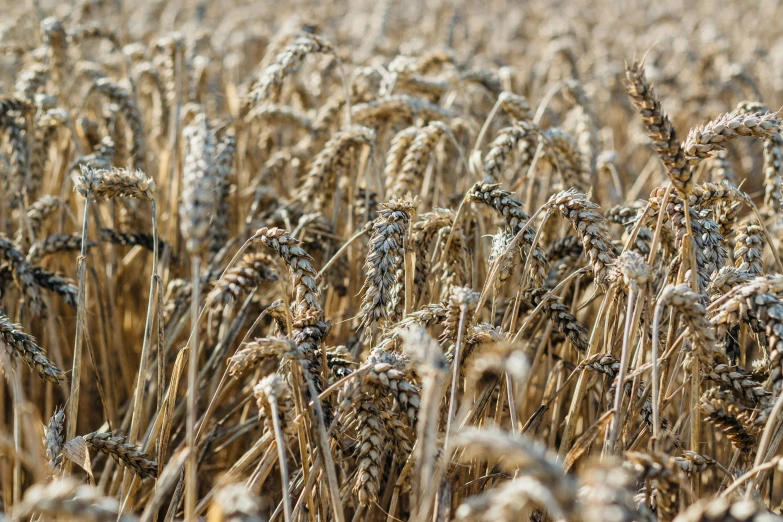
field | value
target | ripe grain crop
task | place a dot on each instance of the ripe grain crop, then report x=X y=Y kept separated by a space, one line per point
x=379 y=261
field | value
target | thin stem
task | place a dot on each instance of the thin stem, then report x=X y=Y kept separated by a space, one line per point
x=81 y=319
x=281 y=456
x=191 y=475
x=618 y=395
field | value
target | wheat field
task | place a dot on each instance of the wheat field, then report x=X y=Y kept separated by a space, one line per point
x=348 y=260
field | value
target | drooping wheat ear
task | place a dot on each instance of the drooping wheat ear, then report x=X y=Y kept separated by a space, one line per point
x=749 y=247
x=591 y=227
x=561 y=317
x=690 y=309
x=199 y=184
x=39 y=212
x=539 y=477
x=383 y=287
x=707 y=194
x=266 y=352
x=65 y=287
x=300 y=263
x=121 y=96
x=740 y=382
x=398 y=107
x=13 y=116
x=587 y=126
x=396 y=154
x=54 y=438
x=54 y=244
x=506 y=141
x=516 y=218
x=427 y=317
x=145 y=241
x=115 y=183
x=129 y=455
x=19 y=344
x=224 y=162
x=46 y=130
x=707 y=242
x=68 y=497
x=758 y=297
x=563 y=152
x=23 y=275
x=273 y=387
x=150 y=81
x=691 y=462
x=425 y=230
x=408 y=178
x=333 y=162
x=242 y=278
x=724 y=417
x=270 y=83
x=387 y=378
x=372 y=441
x=658 y=127
x=716 y=134
x=773 y=160
x=279 y=116
x=93 y=31
x=515 y=106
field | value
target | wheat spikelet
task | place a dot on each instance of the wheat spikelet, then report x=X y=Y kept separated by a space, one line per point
x=54 y=244
x=19 y=344
x=23 y=275
x=145 y=241
x=332 y=162
x=661 y=470
x=714 y=135
x=272 y=387
x=561 y=317
x=270 y=83
x=749 y=247
x=224 y=160
x=63 y=286
x=516 y=218
x=505 y=141
x=383 y=295
x=128 y=455
x=398 y=107
x=267 y=352
x=120 y=96
x=406 y=180
x=658 y=127
x=242 y=278
x=591 y=228
x=563 y=152
x=716 y=413
x=693 y=313
x=113 y=183
x=54 y=438
x=199 y=182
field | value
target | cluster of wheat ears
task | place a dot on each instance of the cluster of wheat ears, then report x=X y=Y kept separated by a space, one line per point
x=337 y=261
